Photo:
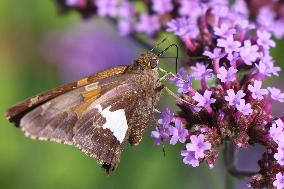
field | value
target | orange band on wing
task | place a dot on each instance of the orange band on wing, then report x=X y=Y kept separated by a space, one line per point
x=89 y=97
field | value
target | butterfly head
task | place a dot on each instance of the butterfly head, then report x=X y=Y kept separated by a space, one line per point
x=148 y=60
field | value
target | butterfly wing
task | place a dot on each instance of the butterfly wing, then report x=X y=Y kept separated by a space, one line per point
x=97 y=118
x=15 y=113
x=109 y=121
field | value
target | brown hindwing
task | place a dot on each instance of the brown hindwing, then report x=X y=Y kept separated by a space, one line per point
x=94 y=140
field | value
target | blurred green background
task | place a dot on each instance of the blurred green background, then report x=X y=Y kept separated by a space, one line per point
x=25 y=163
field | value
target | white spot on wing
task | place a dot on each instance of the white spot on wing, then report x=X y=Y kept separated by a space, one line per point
x=115 y=121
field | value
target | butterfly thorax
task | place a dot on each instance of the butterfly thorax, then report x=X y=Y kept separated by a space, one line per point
x=145 y=69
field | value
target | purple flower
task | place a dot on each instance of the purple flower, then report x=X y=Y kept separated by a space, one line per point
x=244 y=108
x=107 y=7
x=279 y=123
x=190 y=8
x=180 y=74
x=276 y=94
x=276 y=132
x=279 y=156
x=195 y=149
x=233 y=98
x=264 y=39
x=126 y=10
x=215 y=55
x=167 y=117
x=224 y=30
x=125 y=27
x=257 y=92
x=278 y=28
x=148 y=24
x=266 y=17
x=233 y=58
x=178 y=132
x=161 y=134
x=269 y=65
x=200 y=71
x=242 y=22
x=279 y=182
x=227 y=75
x=189 y=158
x=205 y=100
x=220 y=10
x=249 y=52
x=240 y=7
x=183 y=26
x=162 y=6
x=266 y=66
x=198 y=145
x=229 y=44
x=184 y=85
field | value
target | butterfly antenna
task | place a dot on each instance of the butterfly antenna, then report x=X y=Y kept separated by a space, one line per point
x=172 y=45
x=161 y=42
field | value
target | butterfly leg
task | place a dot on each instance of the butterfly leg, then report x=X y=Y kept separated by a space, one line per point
x=157 y=111
x=167 y=75
x=176 y=96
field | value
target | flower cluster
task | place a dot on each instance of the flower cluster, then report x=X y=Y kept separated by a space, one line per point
x=156 y=14
x=173 y=129
x=231 y=102
x=228 y=44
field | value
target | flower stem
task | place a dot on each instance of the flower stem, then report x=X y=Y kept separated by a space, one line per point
x=229 y=181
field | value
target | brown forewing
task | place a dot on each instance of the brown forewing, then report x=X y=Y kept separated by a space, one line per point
x=15 y=113
x=55 y=119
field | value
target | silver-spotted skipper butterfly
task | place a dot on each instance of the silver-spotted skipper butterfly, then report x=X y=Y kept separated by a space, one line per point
x=97 y=114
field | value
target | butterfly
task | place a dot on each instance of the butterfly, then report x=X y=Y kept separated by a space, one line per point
x=97 y=114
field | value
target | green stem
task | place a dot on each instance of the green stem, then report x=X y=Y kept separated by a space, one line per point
x=229 y=160
x=229 y=181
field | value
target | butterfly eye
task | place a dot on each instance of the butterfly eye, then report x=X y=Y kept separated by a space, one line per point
x=154 y=63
